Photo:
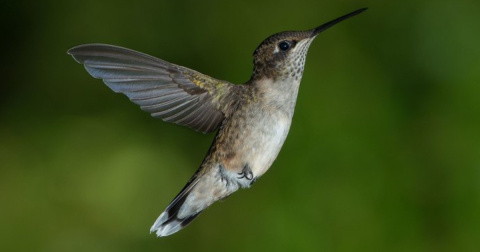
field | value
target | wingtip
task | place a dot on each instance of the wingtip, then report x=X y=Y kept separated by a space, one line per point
x=76 y=49
x=72 y=50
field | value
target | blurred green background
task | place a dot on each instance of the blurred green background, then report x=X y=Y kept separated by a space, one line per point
x=383 y=153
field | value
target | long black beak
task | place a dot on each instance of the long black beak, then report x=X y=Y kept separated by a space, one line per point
x=327 y=25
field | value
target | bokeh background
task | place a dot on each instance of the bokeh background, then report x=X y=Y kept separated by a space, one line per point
x=383 y=153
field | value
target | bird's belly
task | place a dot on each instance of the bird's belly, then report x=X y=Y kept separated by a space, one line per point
x=265 y=141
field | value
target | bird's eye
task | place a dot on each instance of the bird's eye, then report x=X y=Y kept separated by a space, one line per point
x=284 y=45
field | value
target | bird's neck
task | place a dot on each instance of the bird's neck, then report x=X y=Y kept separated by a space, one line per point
x=281 y=93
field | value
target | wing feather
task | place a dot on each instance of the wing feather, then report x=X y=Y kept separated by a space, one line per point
x=168 y=91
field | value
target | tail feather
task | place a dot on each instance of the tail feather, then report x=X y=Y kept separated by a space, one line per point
x=200 y=192
x=169 y=222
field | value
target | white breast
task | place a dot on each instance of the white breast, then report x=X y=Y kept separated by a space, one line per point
x=267 y=142
x=268 y=125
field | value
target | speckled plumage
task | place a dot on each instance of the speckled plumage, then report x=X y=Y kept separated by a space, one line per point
x=253 y=119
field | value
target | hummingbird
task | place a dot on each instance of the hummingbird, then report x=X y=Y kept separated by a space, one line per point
x=253 y=119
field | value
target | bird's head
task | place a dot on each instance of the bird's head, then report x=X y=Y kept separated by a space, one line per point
x=283 y=54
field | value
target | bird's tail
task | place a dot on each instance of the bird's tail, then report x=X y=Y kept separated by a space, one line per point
x=200 y=192
x=173 y=219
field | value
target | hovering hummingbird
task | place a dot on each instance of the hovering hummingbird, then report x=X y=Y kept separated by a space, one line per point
x=253 y=119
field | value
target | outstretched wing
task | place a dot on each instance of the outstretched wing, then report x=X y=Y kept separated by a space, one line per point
x=174 y=93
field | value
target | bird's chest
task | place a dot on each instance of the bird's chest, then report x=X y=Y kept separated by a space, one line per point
x=262 y=137
x=268 y=143
x=253 y=137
